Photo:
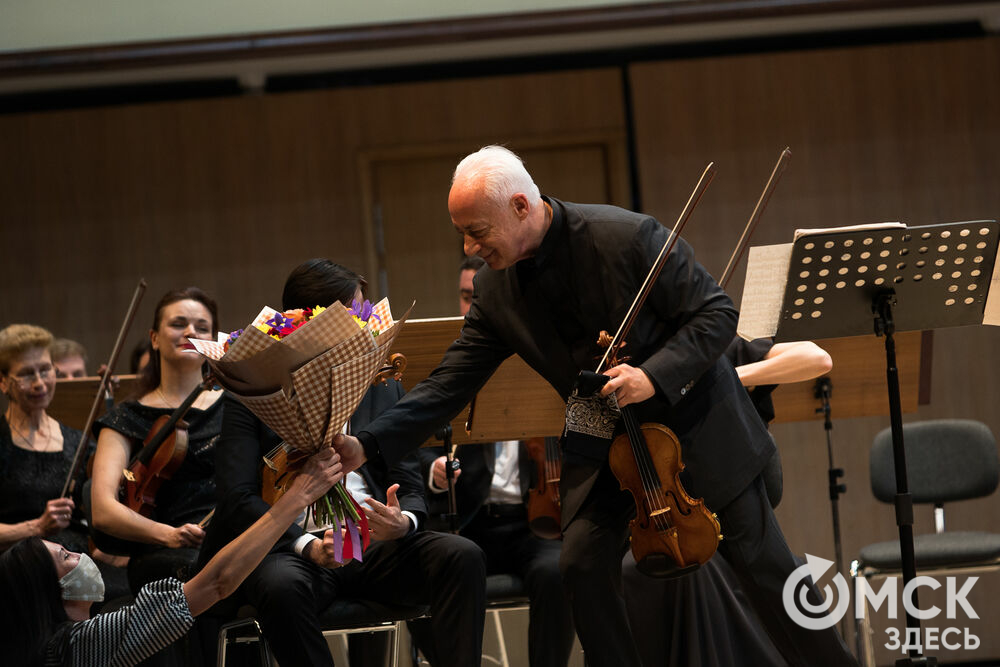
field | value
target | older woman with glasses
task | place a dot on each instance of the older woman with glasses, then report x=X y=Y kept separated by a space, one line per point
x=36 y=451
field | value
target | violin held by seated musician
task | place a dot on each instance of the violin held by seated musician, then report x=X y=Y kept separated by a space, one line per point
x=162 y=512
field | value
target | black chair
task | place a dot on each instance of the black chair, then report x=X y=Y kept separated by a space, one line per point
x=342 y=618
x=947 y=460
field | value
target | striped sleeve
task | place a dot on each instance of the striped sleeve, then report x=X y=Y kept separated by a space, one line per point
x=159 y=617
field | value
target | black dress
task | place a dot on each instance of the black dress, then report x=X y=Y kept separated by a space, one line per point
x=28 y=480
x=187 y=497
x=704 y=619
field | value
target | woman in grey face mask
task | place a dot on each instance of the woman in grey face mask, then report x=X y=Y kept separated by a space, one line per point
x=46 y=591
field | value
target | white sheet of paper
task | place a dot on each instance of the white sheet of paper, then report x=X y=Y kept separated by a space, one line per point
x=799 y=233
x=760 y=309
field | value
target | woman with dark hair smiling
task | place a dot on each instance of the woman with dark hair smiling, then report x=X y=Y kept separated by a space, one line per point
x=166 y=543
x=47 y=591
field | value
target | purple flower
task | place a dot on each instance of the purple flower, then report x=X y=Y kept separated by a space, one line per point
x=363 y=310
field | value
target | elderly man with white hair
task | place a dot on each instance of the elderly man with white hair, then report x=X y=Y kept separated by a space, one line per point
x=558 y=274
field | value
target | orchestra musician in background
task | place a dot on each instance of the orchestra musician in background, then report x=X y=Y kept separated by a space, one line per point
x=165 y=543
x=69 y=358
x=36 y=451
x=558 y=274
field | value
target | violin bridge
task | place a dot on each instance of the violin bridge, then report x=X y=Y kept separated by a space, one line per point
x=657 y=513
x=127 y=474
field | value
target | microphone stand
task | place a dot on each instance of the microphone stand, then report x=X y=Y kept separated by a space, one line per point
x=823 y=391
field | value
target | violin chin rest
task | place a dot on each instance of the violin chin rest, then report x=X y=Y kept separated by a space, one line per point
x=662 y=566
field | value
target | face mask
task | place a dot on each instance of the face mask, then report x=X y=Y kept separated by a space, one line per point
x=83 y=582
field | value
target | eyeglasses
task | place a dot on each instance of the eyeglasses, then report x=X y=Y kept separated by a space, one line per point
x=26 y=377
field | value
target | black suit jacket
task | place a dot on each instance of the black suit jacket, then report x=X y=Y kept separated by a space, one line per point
x=245 y=440
x=549 y=308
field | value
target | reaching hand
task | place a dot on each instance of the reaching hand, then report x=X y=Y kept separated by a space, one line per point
x=321 y=551
x=320 y=472
x=630 y=384
x=352 y=454
x=440 y=474
x=188 y=535
x=387 y=522
x=56 y=516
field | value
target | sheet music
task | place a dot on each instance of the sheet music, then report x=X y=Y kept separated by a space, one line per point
x=760 y=309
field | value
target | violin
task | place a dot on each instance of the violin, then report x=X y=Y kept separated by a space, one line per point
x=282 y=463
x=544 y=508
x=672 y=533
x=162 y=453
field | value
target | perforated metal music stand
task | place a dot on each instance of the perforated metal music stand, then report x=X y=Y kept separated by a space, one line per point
x=841 y=282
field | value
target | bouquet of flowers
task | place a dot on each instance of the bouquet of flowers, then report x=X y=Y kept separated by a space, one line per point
x=303 y=373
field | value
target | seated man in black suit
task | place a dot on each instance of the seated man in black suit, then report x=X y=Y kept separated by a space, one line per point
x=300 y=578
x=490 y=500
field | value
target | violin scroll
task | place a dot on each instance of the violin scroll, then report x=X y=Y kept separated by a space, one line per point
x=394 y=369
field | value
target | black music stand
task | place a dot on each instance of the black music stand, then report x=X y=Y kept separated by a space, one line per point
x=840 y=281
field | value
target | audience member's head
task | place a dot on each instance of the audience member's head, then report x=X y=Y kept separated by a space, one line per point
x=69 y=357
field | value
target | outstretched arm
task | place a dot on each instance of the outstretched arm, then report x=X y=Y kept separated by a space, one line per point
x=228 y=568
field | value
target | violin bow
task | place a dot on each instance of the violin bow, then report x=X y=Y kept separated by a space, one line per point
x=654 y=272
x=78 y=458
x=765 y=196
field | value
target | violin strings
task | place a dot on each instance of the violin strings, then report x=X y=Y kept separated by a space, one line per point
x=653 y=490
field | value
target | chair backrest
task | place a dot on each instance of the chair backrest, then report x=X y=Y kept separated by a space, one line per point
x=946 y=460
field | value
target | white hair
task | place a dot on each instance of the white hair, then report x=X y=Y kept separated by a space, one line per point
x=500 y=172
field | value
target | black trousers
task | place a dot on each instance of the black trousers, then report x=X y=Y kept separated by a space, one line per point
x=511 y=548
x=445 y=571
x=595 y=542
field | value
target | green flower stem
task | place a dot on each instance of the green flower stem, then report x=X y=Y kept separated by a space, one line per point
x=347 y=504
x=329 y=511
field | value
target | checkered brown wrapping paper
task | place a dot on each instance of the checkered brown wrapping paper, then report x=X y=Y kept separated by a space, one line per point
x=307 y=385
